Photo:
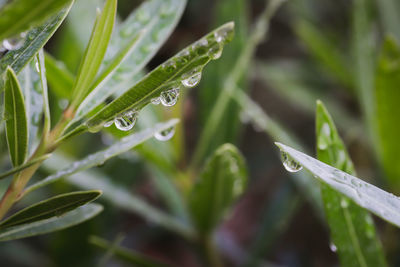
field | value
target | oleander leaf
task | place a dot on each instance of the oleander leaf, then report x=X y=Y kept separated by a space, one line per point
x=16 y=121
x=94 y=53
x=352 y=228
x=24 y=166
x=381 y=203
x=55 y=206
x=53 y=224
x=20 y=15
x=60 y=79
x=154 y=20
x=222 y=181
x=35 y=40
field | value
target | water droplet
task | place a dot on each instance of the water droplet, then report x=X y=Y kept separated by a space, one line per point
x=290 y=164
x=170 y=97
x=192 y=78
x=155 y=100
x=332 y=247
x=166 y=134
x=220 y=36
x=200 y=47
x=215 y=51
x=13 y=43
x=126 y=121
x=63 y=103
x=143 y=16
x=37 y=66
x=344 y=203
x=169 y=66
x=109 y=123
x=324 y=138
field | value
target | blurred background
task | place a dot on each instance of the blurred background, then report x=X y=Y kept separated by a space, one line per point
x=306 y=50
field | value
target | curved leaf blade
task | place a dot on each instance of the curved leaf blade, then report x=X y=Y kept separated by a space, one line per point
x=352 y=228
x=223 y=179
x=16 y=122
x=20 y=15
x=36 y=39
x=383 y=204
x=59 y=77
x=70 y=219
x=24 y=166
x=164 y=76
x=155 y=20
x=95 y=52
x=55 y=206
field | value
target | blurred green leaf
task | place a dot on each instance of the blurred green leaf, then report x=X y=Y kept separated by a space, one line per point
x=94 y=53
x=24 y=166
x=100 y=157
x=352 y=228
x=387 y=97
x=165 y=77
x=55 y=206
x=20 y=15
x=383 y=204
x=389 y=13
x=153 y=22
x=222 y=181
x=325 y=52
x=127 y=255
x=35 y=40
x=70 y=219
x=16 y=122
x=41 y=87
x=59 y=77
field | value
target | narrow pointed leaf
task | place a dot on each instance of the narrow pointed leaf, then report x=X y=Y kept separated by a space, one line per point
x=20 y=15
x=224 y=178
x=166 y=76
x=387 y=96
x=55 y=206
x=35 y=40
x=352 y=229
x=59 y=77
x=99 y=158
x=95 y=52
x=16 y=122
x=70 y=219
x=383 y=204
x=155 y=20
x=127 y=255
x=24 y=166
x=41 y=70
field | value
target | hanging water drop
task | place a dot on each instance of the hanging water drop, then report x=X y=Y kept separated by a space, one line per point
x=126 y=121
x=290 y=164
x=109 y=123
x=200 y=47
x=170 y=97
x=169 y=66
x=155 y=100
x=192 y=78
x=215 y=52
x=220 y=35
x=37 y=66
x=166 y=134
x=14 y=43
x=333 y=247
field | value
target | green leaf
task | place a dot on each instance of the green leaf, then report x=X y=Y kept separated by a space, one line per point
x=95 y=52
x=55 y=206
x=154 y=20
x=352 y=229
x=70 y=219
x=43 y=90
x=386 y=117
x=20 y=15
x=222 y=181
x=36 y=39
x=383 y=204
x=16 y=122
x=166 y=76
x=59 y=77
x=123 y=145
x=24 y=166
x=127 y=255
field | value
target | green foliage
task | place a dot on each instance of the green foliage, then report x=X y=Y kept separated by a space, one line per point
x=387 y=95
x=20 y=15
x=352 y=229
x=222 y=181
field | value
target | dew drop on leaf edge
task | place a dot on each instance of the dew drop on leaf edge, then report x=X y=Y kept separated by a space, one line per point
x=166 y=134
x=126 y=121
x=170 y=97
x=290 y=164
x=191 y=79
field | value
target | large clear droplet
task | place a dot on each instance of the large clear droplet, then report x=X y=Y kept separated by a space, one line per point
x=215 y=51
x=290 y=164
x=165 y=134
x=170 y=97
x=14 y=43
x=192 y=78
x=200 y=47
x=126 y=121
